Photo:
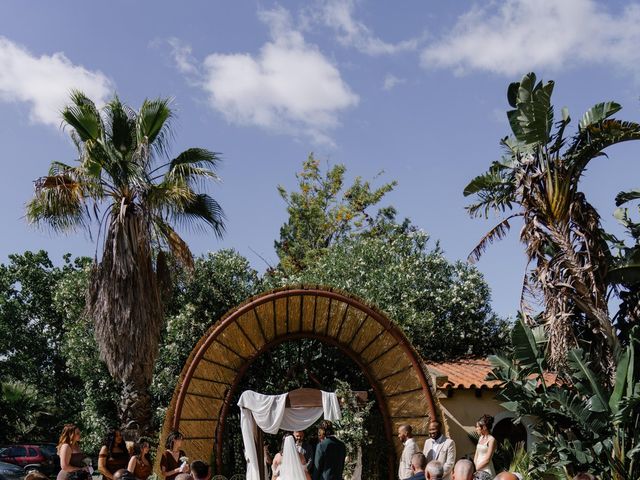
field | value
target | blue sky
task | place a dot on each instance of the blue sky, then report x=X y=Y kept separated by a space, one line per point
x=415 y=89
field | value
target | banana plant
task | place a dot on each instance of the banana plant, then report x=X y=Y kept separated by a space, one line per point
x=583 y=422
x=537 y=180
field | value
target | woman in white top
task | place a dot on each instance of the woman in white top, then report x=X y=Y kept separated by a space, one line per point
x=486 y=446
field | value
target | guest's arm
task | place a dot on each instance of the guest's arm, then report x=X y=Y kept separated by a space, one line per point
x=451 y=458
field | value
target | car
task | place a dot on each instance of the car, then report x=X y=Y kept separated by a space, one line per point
x=29 y=457
x=9 y=471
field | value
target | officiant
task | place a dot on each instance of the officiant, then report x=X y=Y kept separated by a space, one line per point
x=305 y=449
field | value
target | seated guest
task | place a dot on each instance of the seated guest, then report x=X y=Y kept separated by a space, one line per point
x=184 y=476
x=584 y=476
x=123 y=474
x=418 y=464
x=79 y=475
x=506 y=476
x=200 y=470
x=435 y=470
x=463 y=470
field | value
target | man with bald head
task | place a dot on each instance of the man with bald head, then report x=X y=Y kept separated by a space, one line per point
x=463 y=470
x=440 y=448
x=405 y=435
x=506 y=476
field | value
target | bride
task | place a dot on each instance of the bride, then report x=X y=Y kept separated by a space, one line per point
x=289 y=464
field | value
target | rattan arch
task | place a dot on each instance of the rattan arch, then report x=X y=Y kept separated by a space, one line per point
x=219 y=361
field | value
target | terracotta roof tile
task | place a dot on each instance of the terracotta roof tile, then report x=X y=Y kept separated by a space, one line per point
x=468 y=373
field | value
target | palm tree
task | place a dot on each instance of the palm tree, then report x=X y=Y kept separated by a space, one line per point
x=122 y=182
x=565 y=244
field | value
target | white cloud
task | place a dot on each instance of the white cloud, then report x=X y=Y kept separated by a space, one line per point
x=516 y=36
x=181 y=53
x=338 y=14
x=288 y=87
x=46 y=81
x=391 y=81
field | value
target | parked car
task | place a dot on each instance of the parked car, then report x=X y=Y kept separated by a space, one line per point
x=29 y=457
x=9 y=471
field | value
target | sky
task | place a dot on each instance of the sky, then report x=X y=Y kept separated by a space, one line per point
x=410 y=90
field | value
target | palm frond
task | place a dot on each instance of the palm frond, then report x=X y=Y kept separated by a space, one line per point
x=628 y=196
x=178 y=247
x=58 y=203
x=496 y=233
x=154 y=126
x=201 y=208
x=598 y=113
x=83 y=116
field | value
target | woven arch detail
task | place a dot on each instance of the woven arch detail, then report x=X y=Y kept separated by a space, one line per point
x=217 y=364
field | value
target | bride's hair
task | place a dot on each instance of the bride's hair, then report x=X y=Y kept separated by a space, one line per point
x=284 y=438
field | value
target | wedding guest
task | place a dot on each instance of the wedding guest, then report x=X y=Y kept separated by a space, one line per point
x=113 y=454
x=328 y=461
x=584 y=476
x=36 y=475
x=71 y=457
x=485 y=448
x=441 y=448
x=463 y=470
x=79 y=475
x=418 y=464
x=123 y=474
x=305 y=449
x=506 y=476
x=405 y=435
x=140 y=462
x=184 y=476
x=434 y=470
x=200 y=470
x=170 y=463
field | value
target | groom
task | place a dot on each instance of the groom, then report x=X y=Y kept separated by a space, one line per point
x=330 y=454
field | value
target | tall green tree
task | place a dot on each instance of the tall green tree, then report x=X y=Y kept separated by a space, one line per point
x=443 y=307
x=323 y=211
x=122 y=181
x=538 y=180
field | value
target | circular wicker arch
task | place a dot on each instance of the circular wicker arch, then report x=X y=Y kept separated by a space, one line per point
x=219 y=361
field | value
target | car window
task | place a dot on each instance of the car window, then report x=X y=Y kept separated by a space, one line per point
x=4 y=452
x=17 y=452
x=33 y=452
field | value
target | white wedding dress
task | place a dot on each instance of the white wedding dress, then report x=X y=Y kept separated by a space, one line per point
x=291 y=467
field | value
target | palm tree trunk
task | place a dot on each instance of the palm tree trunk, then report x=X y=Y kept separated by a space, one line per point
x=125 y=304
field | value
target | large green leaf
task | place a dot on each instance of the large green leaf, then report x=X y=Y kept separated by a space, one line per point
x=532 y=119
x=581 y=371
x=525 y=349
x=598 y=113
x=624 y=197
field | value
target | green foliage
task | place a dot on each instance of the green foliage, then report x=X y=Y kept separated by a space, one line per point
x=21 y=411
x=322 y=212
x=584 y=423
x=32 y=336
x=98 y=394
x=219 y=281
x=539 y=177
x=443 y=307
x=351 y=428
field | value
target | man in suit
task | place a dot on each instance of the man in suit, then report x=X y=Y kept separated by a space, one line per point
x=440 y=448
x=330 y=455
x=405 y=435
x=305 y=449
x=418 y=464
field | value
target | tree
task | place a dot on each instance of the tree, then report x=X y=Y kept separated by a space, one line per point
x=32 y=357
x=443 y=307
x=218 y=282
x=322 y=212
x=583 y=422
x=566 y=247
x=121 y=182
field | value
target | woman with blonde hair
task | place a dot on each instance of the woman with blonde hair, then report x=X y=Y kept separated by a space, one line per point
x=71 y=457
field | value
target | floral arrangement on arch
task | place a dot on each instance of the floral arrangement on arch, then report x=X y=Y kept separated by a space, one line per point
x=351 y=427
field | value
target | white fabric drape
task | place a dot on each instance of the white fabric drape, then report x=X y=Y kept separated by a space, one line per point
x=292 y=467
x=269 y=413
